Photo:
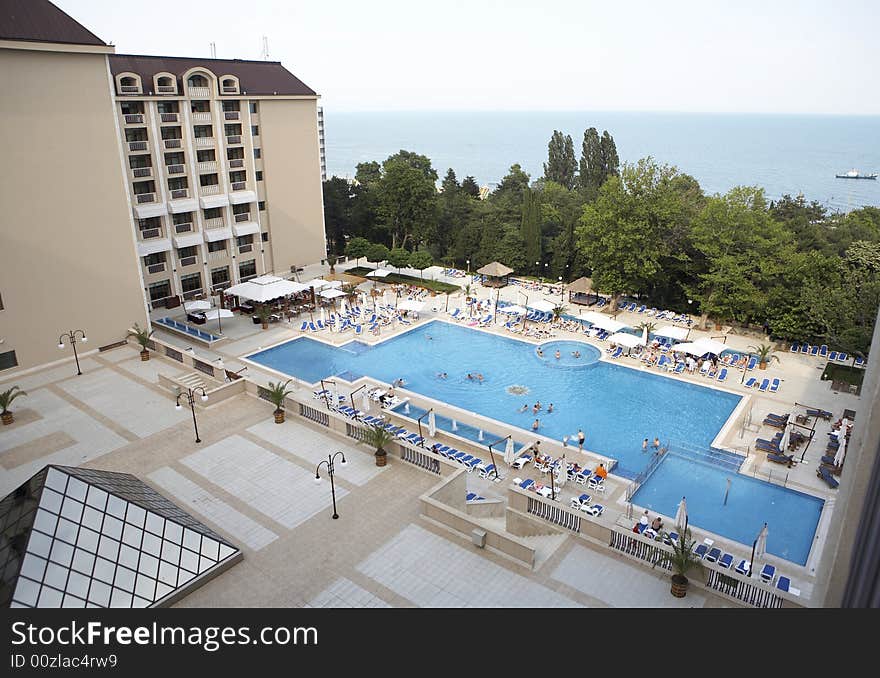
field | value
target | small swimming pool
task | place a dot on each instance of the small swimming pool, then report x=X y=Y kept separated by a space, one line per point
x=792 y=516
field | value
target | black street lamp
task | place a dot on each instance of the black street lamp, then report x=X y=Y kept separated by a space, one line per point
x=468 y=262
x=330 y=471
x=71 y=338
x=191 y=400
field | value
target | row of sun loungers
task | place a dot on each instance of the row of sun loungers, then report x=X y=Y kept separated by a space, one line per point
x=823 y=352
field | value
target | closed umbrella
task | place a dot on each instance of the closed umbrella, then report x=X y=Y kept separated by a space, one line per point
x=334 y=393
x=365 y=401
x=432 y=424
x=509 y=456
x=323 y=317
x=761 y=542
x=562 y=473
x=786 y=438
x=681 y=516
x=645 y=335
x=841 y=451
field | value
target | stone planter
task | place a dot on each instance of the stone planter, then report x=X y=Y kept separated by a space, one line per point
x=381 y=457
x=145 y=355
x=7 y=418
x=679 y=586
x=279 y=416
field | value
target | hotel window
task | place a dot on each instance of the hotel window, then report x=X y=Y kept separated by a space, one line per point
x=265 y=236
x=217 y=246
x=203 y=131
x=8 y=360
x=213 y=212
x=153 y=259
x=258 y=153
x=262 y=205
x=247 y=269
x=206 y=156
x=253 y=107
x=200 y=107
x=255 y=130
x=160 y=290
x=208 y=180
x=191 y=283
x=259 y=175
x=243 y=240
x=167 y=107
x=219 y=275
x=185 y=252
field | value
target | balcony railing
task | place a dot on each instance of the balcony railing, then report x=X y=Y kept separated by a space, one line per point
x=233 y=139
x=204 y=142
x=236 y=162
x=129 y=89
x=208 y=166
x=173 y=143
x=219 y=254
x=148 y=233
x=188 y=261
x=137 y=145
x=156 y=268
x=134 y=118
x=170 y=117
x=201 y=116
x=199 y=91
x=230 y=90
x=179 y=193
x=239 y=186
x=213 y=189
x=145 y=197
x=166 y=89
x=231 y=115
x=216 y=222
x=183 y=228
x=140 y=172
x=176 y=169
x=245 y=248
x=242 y=217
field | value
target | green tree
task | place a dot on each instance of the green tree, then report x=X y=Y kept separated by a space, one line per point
x=470 y=187
x=420 y=261
x=368 y=173
x=561 y=165
x=398 y=258
x=511 y=250
x=407 y=203
x=337 y=212
x=422 y=163
x=530 y=228
x=357 y=248
x=591 y=174
x=376 y=253
x=610 y=161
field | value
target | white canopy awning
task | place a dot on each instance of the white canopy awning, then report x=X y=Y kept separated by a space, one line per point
x=702 y=347
x=411 y=305
x=265 y=288
x=541 y=305
x=602 y=321
x=188 y=240
x=183 y=205
x=332 y=293
x=148 y=247
x=240 y=197
x=153 y=209
x=245 y=228
x=215 y=234
x=517 y=310
x=679 y=333
x=218 y=200
x=378 y=273
x=317 y=283
x=624 y=339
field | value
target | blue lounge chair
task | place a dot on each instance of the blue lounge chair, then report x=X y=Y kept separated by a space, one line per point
x=722 y=374
x=814 y=351
x=753 y=361
x=594 y=510
x=578 y=502
x=783 y=583
x=842 y=357
x=713 y=555
x=358 y=329
x=824 y=414
x=640 y=528
x=470 y=496
x=320 y=325
x=805 y=348
x=663 y=362
x=827 y=459
x=765 y=383
x=304 y=326
x=743 y=567
x=825 y=474
x=679 y=368
x=768 y=572
x=823 y=350
x=526 y=484
x=774 y=385
x=780 y=458
x=700 y=551
x=860 y=362
x=671 y=539
x=832 y=356
x=488 y=471
x=641 y=309
x=750 y=382
x=725 y=561
x=312 y=327
x=617 y=353
x=795 y=347
x=455 y=314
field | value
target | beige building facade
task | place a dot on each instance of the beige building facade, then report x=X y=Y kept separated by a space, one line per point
x=66 y=244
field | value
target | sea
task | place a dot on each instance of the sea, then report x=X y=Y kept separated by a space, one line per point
x=784 y=154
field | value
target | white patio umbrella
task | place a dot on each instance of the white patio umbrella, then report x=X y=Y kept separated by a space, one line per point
x=343 y=307
x=562 y=473
x=625 y=339
x=332 y=293
x=541 y=305
x=786 y=438
x=334 y=393
x=432 y=424
x=323 y=316
x=645 y=335
x=841 y=451
x=679 y=333
x=216 y=314
x=513 y=310
x=509 y=455
x=761 y=542
x=411 y=305
x=196 y=305
x=365 y=401
x=681 y=516
x=378 y=273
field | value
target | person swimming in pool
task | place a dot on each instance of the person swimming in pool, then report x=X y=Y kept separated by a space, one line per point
x=442 y=375
x=549 y=408
x=524 y=408
x=540 y=352
x=558 y=354
x=576 y=354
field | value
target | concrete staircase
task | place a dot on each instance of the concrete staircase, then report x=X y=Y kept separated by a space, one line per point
x=191 y=380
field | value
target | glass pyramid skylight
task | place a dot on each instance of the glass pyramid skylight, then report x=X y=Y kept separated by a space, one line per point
x=72 y=537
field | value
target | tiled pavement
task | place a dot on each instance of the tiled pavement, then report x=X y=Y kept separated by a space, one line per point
x=345 y=593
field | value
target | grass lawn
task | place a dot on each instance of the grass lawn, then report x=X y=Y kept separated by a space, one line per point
x=435 y=285
x=839 y=372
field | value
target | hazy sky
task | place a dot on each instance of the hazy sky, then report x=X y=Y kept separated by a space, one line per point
x=777 y=56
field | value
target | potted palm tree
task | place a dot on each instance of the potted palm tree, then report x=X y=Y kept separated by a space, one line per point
x=765 y=354
x=557 y=312
x=277 y=393
x=143 y=338
x=263 y=313
x=378 y=437
x=6 y=398
x=647 y=325
x=682 y=560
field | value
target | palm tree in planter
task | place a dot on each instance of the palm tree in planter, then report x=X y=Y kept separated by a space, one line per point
x=277 y=393
x=557 y=312
x=682 y=560
x=765 y=354
x=6 y=398
x=379 y=437
x=647 y=325
x=263 y=313
x=143 y=338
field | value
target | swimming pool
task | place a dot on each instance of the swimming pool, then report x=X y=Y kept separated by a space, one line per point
x=791 y=516
x=616 y=406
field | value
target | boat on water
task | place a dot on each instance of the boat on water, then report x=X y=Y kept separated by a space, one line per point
x=855 y=174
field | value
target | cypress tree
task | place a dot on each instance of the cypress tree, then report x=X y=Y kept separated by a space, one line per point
x=531 y=227
x=561 y=164
x=592 y=167
x=610 y=161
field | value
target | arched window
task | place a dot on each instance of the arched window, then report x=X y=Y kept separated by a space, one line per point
x=165 y=84
x=229 y=85
x=197 y=80
x=129 y=84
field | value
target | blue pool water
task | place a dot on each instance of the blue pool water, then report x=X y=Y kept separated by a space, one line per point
x=616 y=406
x=791 y=516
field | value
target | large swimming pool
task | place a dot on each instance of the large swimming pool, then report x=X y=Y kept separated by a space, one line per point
x=617 y=407
x=791 y=516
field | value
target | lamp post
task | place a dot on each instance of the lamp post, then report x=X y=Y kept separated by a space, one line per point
x=561 y=292
x=468 y=262
x=71 y=338
x=492 y=456
x=330 y=471
x=419 y=422
x=690 y=301
x=191 y=400
x=552 y=484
